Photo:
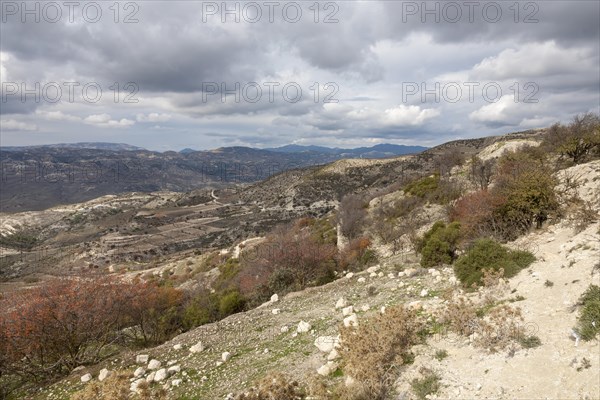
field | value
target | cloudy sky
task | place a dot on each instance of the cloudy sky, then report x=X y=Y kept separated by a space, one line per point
x=174 y=74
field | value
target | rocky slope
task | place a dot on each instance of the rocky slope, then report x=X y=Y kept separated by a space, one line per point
x=291 y=334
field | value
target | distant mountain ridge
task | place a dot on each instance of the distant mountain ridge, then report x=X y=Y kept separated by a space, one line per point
x=80 y=145
x=377 y=151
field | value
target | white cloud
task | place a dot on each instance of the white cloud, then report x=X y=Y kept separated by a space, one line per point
x=104 y=120
x=535 y=60
x=57 y=116
x=153 y=117
x=14 y=125
x=498 y=112
x=408 y=115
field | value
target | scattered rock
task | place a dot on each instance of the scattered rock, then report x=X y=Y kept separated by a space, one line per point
x=150 y=377
x=350 y=381
x=303 y=327
x=176 y=382
x=173 y=370
x=275 y=298
x=139 y=372
x=326 y=343
x=424 y=292
x=365 y=308
x=374 y=268
x=80 y=368
x=197 y=348
x=142 y=358
x=177 y=347
x=104 y=373
x=347 y=311
x=349 y=275
x=226 y=356
x=275 y=311
x=341 y=303
x=333 y=355
x=351 y=320
x=284 y=329
x=134 y=385
x=86 y=378
x=327 y=369
x=160 y=375
x=154 y=364
x=361 y=280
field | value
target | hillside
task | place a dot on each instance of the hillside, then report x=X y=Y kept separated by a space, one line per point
x=308 y=272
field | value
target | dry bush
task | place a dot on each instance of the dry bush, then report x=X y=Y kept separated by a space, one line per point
x=494 y=286
x=274 y=386
x=475 y=212
x=461 y=315
x=292 y=257
x=356 y=255
x=51 y=329
x=116 y=387
x=372 y=351
x=351 y=215
x=578 y=140
x=481 y=172
x=583 y=215
x=500 y=328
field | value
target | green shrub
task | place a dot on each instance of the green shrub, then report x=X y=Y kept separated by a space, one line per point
x=588 y=324
x=231 y=303
x=529 y=342
x=441 y=354
x=423 y=186
x=429 y=384
x=439 y=244
x=488 y=254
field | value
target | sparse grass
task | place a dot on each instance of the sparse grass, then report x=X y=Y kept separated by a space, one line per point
x=588 y=324
x=529 y=342
x=429 y=384
x=440 y=355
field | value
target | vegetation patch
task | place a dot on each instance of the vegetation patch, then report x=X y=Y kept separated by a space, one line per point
x=489 y=254
x=588 y=323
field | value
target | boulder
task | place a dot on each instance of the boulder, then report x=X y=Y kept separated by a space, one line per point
x=351 y=320
x=327 y=369
x=154 y=364
x=347 y=311
x=333 y=355
x=173 y=370
x=341 y=303
x=284 y=329
x=275 y=311
x=226 y=356
x=104 y=373
x=303 y=327
x=139 y=372
x=197 y=348
x=177 y=347
x=361 y=280
x=275 y=298
x=150 y=377
x=142 y=358
x=326 y=343
x=86 y=378
x=176 y=382
x=160 y=375
x=134 y=385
